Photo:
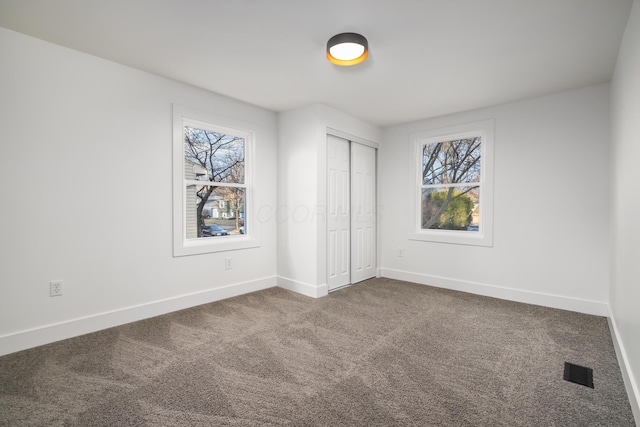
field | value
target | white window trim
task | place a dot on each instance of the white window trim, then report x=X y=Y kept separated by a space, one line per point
x=181 y=245
x=483 y=237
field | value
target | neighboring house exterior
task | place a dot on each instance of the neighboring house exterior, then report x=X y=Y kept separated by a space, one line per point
x=475 y=214
x=216 y=207
x=193 y=171
x=219 y=208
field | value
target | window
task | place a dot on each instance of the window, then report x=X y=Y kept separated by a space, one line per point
x=454 y=190
x=212 y=184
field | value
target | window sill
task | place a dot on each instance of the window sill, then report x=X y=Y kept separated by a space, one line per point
x=471 y=238
x=213 y=245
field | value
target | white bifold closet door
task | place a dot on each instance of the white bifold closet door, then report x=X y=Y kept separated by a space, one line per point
x=363 y=212
x=351 y=216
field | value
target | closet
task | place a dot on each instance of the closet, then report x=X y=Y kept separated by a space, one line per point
x=351 y=212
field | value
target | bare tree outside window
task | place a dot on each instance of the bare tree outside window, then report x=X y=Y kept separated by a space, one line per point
x=450 y=190
x=219 y=159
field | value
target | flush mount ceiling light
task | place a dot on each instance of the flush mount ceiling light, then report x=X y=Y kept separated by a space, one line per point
x=347 y=49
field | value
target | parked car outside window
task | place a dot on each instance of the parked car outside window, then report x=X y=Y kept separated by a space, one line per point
x=214 y=230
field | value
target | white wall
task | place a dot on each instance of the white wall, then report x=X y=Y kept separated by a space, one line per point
x=625 y=277
x=302 y=195
x=85 y=184
x=551 y=214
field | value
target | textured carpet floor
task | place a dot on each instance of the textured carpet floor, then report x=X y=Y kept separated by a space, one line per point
x=380 y=353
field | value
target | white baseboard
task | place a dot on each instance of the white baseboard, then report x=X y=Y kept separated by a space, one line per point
x=548 y=300
x=55 y=332
x=303 y=288
x=630 y=383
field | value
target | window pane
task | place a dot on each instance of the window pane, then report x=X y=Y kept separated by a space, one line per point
x=214 y=211
x=213 y=156
x=451 y=162
x=451 y=208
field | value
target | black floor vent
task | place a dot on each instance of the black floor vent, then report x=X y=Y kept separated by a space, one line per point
x=578 y=374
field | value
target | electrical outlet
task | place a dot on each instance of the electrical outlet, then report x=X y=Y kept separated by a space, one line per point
x=55 y=288
x=227 y=263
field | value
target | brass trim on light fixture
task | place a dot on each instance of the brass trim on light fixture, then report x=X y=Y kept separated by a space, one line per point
x=348 y=38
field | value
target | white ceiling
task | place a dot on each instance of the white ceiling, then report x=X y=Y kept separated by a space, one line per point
x=427 y=57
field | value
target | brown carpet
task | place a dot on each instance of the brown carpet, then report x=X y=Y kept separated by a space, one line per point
x=380 y=353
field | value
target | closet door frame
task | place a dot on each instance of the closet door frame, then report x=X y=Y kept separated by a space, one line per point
x=334 y=267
